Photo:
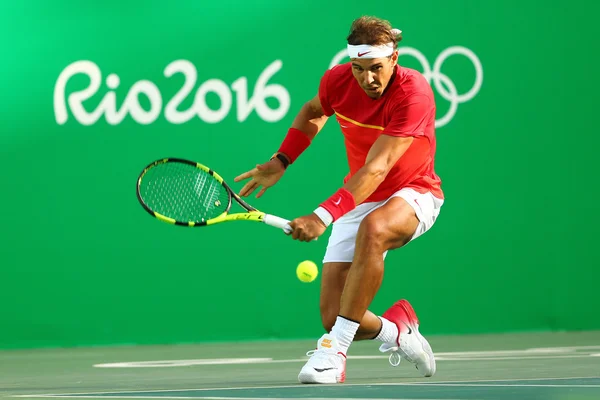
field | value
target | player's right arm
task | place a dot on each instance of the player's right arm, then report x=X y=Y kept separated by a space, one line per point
x=308 y=122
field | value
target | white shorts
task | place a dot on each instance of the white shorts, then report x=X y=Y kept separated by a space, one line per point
x=342 y=240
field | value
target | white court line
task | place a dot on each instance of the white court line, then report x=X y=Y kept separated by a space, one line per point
x=441 y=358
x=238 y=398
x=240 y=361
x=510 y=385
x=185 y=363
x=438 y=383
x=531 y=353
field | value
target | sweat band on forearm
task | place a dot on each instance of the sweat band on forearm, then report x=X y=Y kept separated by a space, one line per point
x=294 y=144
x=340 y=203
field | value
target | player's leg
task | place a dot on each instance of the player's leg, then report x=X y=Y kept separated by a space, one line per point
x=333 y=280
x=388 y=227
x=403 y=218
x=344 y=314
x=337 y=262
x=328 y=363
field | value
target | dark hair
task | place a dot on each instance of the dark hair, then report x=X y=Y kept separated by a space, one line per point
x=373 y=31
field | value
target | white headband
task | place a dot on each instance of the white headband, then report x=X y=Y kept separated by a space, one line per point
x=369 y=51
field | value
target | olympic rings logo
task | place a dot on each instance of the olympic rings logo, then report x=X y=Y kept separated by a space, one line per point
x=442 y=83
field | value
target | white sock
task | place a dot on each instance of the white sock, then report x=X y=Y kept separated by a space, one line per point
x=344 y=331
x=389 y=331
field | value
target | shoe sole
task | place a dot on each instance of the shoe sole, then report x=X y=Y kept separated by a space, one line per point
x=412 y=315
x=312 y=378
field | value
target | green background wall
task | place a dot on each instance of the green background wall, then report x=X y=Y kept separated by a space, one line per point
x=83 y=264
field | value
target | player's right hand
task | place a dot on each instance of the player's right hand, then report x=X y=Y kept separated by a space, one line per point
x=263 y=176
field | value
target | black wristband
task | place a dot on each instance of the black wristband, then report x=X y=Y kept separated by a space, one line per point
x=283 y=159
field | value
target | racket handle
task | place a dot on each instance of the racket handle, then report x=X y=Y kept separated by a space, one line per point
x=277 y=222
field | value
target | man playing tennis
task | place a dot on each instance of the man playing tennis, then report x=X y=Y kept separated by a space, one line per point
x=391 y=195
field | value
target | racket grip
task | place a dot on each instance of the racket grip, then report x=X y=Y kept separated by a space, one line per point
x=277 y=222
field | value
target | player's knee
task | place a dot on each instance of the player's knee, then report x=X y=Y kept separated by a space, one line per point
x=376 y=233
x=373 y=232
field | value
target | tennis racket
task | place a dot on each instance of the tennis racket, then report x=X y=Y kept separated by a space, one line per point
x=187 y=193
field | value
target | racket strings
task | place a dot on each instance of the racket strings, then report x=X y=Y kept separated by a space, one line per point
x=183 y=192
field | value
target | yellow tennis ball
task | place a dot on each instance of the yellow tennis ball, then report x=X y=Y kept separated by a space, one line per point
x=307 y=271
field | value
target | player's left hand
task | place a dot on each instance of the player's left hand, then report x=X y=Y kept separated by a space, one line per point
x=307 y=228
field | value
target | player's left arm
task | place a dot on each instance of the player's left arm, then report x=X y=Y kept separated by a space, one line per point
x=408 y=122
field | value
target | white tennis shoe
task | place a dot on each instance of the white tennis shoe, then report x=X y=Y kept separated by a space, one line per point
x=326 y=364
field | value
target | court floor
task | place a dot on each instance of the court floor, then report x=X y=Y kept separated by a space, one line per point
x=544 y=366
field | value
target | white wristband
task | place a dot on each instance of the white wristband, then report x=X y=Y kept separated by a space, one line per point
x=324 y=215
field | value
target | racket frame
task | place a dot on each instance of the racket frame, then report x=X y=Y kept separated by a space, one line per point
x=252 y=213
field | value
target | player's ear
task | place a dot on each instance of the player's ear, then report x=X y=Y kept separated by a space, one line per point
x=394 y=58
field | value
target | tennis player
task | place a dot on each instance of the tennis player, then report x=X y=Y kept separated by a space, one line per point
x=391 y=196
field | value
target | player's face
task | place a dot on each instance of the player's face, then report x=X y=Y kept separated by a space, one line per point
x=374 y=74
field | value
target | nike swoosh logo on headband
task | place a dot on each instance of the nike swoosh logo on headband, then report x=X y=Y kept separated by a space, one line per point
x=362 y=54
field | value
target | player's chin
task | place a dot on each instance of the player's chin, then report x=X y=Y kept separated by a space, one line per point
x=373 y=93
